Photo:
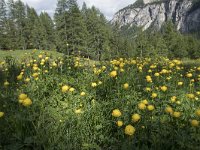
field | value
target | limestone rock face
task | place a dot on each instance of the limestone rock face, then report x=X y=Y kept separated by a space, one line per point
x=154 y=13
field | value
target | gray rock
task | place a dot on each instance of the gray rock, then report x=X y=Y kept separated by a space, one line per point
x=155 y=13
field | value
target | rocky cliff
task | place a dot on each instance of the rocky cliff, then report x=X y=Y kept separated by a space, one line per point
x=185 y=14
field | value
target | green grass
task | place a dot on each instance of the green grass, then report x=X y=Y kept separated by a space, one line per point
x=22 y=54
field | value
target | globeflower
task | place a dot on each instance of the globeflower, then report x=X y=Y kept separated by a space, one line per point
x=65 y=88
x=154 y=95
x=1 y=114
x=6 y=83
x=150 y=107
x=194 y=123
x=141 y=106
x=27 y=102
x=136 y=117
x=197 y=112
x=82 y=94
x=119 y=123
x=176 y=114
x=94 y=84
x=180 y=83
x=116 y=113
x=22 y=96
x=129 y=130
x=189 y=75
x=126 y=85
x=163 y=88
x=113 y=74
x=169 y=110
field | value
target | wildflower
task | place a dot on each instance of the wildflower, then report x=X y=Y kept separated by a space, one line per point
x=148 y=79
x=141 y=106
x=27 y=80
x=19 y=77
x=190 y=96
x=154 y=95
x=163 y=88
x=194 y=123
x=22 y=96
x=156 y=74
x=169 y=110
x=119 y=123
x=147 y=89
x=65 y=88
x=82 y=94
x=136 y=117
x=72 y=89
x=197 y=112
x=27 y=102
x=145 y=102
x=78 y=111
x=180 y=83
x=173 y=99
x=1 y=114
x=189 y=75
x=6 y=83
x=93 y=84
x=126 y=85
x=129 y=130
x=150 y=107
x=176 y=114
x=116 y=113
x=113 y=74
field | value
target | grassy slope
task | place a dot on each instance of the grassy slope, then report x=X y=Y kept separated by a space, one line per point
x=20 y=54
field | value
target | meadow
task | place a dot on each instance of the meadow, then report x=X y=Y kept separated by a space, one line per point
x=52 y=101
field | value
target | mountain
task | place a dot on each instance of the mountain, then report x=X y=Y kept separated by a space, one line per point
x=185 y=14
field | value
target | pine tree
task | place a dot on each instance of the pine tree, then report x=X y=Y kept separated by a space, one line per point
x=48 y=38
x=3 y=25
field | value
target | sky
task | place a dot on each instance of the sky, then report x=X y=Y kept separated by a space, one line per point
x=107 y=7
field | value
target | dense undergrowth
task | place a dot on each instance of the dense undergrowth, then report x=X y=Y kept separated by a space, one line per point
x=69 y=103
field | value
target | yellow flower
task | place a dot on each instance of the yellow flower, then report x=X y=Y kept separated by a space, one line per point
x=129 y=130
x=154 y=95
x=197 y=112
x=169 y=110
x=119 y=123
x=180 y=83
x=136 y=117
x=27 y=102
x=1 y=114
x=190 y=96
x=194 y=123
x=82 y=94
x=72 y=89
x=6 y=83
x=189 y=75
x=19 y=77
x=145 y=102
x=150 y=107
x=78 y=111
x=173 y=99
x=27 y=80
x=65 y=88
x=148 y=89
x=148 y=79
x=176 y=114
x=126 y=86
x=93 y=84
x=113 y=74
x=163 y=88
x=141 y=106
x=156 y=74
x=116 y=113
x=22 y=96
